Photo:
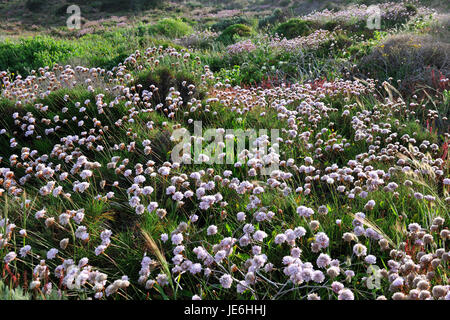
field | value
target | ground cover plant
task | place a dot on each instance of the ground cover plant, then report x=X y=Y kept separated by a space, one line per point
x=321 y=169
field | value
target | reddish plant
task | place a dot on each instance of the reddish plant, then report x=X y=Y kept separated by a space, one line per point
x=410 y=249
x=438 y=79
x=13 y=277
x=444 y=152
x=318 y=83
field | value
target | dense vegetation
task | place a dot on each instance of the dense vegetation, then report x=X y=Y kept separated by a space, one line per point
x=93 y=204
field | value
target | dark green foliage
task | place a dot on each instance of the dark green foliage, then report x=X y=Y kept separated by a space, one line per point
x=411 y=8
x=331 y=47
x=62 y=10
x=330 y=25
x=409 y=58
x=168 y=27
x=34 y=5
x=276 y=17
x=284 y=3
x=229 y=35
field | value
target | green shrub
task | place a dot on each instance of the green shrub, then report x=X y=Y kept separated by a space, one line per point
x=61 y=10
x=32 y=53
x=225 y=23
x=234 y=31
x=215 y=61
x=413 y=59
x=294 y=28
x=104 y=50
x=330 y=25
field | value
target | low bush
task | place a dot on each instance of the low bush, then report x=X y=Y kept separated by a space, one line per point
x=411 y=59
x=171 y=28
x=34 y=5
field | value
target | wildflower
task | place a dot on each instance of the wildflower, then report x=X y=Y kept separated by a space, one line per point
x=414 y=227
x=349 y=274
x=359 y=250
x=322 y=240
x=177 y=238
x=240 y=216
x=314 y=225
x=152 y=206
x=369 y=205
x=40 y=214
x=149 y=284
x=345 y=294
x=81 y=233
x=64 y=219
x=370 y=259
x=313 y=296
x=305 y=212
x=9 y=257
x=212 y=229
x=333 y=272
x=398 y=296
x=24 y=251
x=51 y=254
x=398 y=282
x=439 y=291
x=323 y=260
x=318 y=276
x=259 y=235
x=280 y=238
x=34 y=284
x=195 y=268
x=299 y=232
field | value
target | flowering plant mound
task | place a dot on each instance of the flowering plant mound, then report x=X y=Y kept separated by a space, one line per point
x=241 y=46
